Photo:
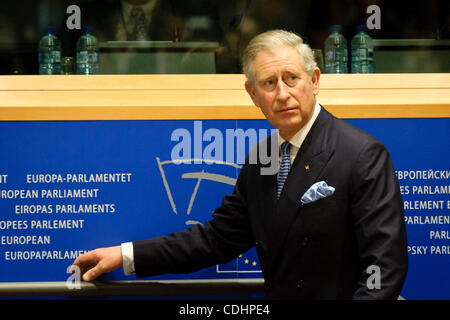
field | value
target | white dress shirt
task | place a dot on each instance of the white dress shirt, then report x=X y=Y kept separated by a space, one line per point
x=126 y=14
x=296 y=142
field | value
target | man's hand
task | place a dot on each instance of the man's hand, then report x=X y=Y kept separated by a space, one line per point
x=99 y=261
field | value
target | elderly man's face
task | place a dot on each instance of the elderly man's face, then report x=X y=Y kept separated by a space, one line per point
x=283 y=90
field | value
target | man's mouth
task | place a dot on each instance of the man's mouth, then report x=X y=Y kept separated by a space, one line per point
x=286 y=109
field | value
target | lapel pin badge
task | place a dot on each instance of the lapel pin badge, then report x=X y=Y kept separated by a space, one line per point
x=307 y=167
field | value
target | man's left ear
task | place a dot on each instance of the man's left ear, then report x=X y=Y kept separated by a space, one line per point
x=315 y=80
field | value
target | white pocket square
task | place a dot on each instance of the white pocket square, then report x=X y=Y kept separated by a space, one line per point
x=317 y=191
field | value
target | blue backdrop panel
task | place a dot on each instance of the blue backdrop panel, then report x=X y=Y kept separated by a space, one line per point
x=132 y=189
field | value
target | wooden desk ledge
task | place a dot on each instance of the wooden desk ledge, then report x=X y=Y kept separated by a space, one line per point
x=163 y=97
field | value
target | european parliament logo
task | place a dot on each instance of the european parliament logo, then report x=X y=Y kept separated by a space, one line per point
x=194 y=188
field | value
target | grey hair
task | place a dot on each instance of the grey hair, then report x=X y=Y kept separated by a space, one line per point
x=269 y=40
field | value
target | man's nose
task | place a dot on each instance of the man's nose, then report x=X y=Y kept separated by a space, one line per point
x=282 y=91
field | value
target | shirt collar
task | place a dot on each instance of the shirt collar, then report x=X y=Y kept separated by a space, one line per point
x=299 y=137
x=147 y=7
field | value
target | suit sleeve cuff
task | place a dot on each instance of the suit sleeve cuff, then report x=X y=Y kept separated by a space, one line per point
x=128 y=258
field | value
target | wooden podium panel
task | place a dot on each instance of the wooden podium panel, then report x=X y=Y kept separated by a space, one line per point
x=164 y=97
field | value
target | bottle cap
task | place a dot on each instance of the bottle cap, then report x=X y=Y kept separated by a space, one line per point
x=360 y=28
x=88 y=30
x=335 y=28
x=49 y=30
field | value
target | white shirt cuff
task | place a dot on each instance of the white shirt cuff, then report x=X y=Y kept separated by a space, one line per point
x=128 y=258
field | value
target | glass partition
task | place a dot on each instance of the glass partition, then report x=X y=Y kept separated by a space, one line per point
x=208 y=36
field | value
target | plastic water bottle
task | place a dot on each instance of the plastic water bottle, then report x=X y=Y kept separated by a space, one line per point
x=87 y=53
x=336 y=52
x=49 y=53
x=362 y=52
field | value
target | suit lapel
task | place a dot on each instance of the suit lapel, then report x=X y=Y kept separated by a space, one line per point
x=308 y=164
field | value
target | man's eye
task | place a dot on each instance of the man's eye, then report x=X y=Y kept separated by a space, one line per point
x=269 y=84
x=291 y=80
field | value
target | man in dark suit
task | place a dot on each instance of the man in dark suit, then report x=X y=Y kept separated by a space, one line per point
x=156 y=20
x=331 y=228
x=122 y=20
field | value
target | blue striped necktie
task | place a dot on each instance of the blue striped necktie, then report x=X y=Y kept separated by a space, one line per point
x=285 y=166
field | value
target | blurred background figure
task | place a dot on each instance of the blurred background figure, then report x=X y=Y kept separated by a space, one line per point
x=158 y=20
x=130 y=20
